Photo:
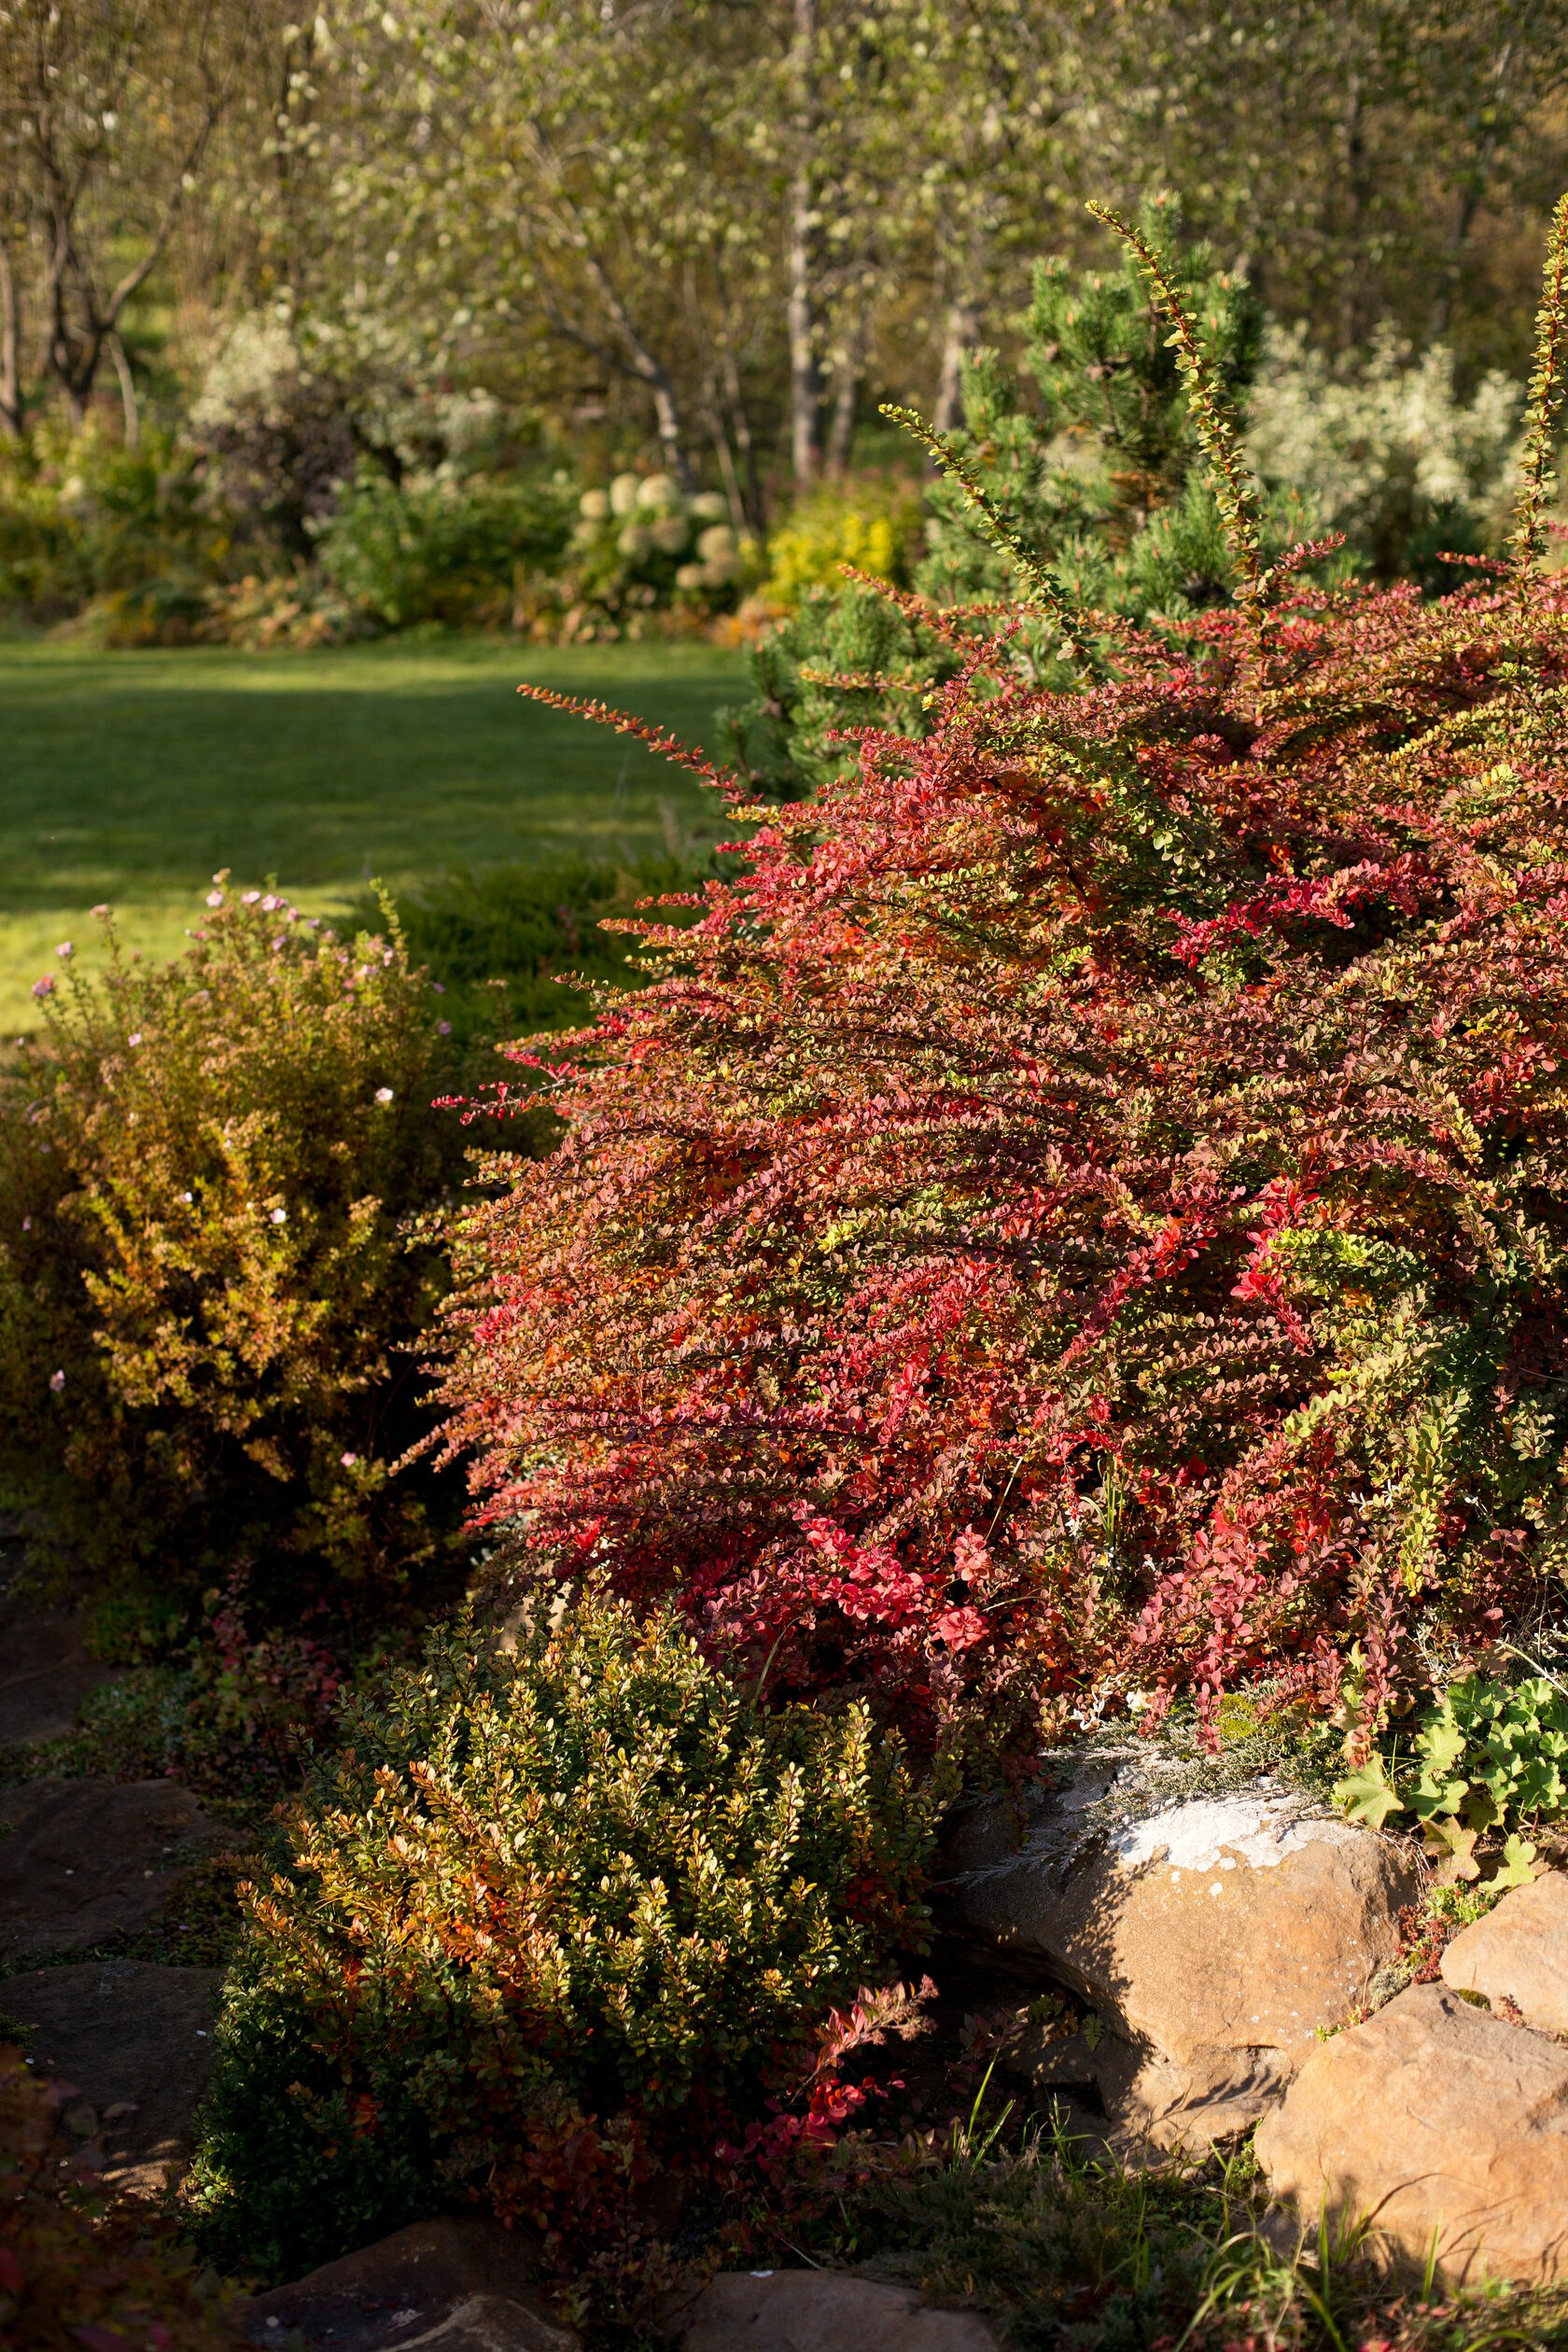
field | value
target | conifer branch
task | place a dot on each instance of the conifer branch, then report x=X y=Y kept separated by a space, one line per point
x=1043 y=590
x=1234 y=487
x=1537 y=481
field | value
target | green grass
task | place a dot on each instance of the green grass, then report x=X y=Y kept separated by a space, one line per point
x=134 y=777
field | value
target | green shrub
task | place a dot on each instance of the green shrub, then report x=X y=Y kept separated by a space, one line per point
x=873 y=524
x=499 y=941
x=443 y=550
x=779 y=741
x=644 y=551
x=68 y=2277
x=1484 y=1758
x=547 y=1918
x=205 y=1299
x=1094 y=469
x=81 y=516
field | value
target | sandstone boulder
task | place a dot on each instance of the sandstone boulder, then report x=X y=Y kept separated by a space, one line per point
x=456 y=2284
x=136 y=2042
x=1432 y=2117
x=1519 y=1953
x=1213 y=1937
x=80 y=1859
x=817 y=2311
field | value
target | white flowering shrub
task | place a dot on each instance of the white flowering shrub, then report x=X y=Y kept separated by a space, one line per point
x=1384 y=450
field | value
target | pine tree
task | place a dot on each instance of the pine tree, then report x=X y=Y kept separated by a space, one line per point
x=1095 y=471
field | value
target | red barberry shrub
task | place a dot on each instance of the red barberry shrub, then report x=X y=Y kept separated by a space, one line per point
x=1084 y=1215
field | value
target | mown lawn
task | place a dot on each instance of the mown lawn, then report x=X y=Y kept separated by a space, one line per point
x=134 y=777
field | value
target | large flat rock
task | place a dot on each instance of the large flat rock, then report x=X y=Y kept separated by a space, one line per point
x=136 y=2042
x=1517 y=1954
x=1214 y=1938
x=1440 y=2121
x=83 y=1859
x=817 y=2311
x=455 y=2284
x=45 y=1673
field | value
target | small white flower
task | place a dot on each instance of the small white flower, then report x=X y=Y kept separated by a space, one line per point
x=383 y=1094
x=280 y=1216
x=186 y=1195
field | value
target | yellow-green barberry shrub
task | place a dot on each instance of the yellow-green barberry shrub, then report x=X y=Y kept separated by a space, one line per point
x=207 y=1298
x=548 y=1920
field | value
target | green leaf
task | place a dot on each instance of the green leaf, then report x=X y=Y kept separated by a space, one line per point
x=1366 y=1795
x=1519 y=1865
x=1432 y=1795
x=1453 y=1849
x=1441 y=1743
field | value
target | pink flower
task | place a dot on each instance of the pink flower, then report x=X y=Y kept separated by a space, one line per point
x=27 y=1225
x=101 y=912
x=250 y=898
x=215 y=898
x=348 y=1460
x=280 y=1216
x=383 y=1094
x=135 y=1038
x=440 y=986
x=444 y=1029
x=57 y=1382
x=64 y=948
x=45 y=987
x=269 y=902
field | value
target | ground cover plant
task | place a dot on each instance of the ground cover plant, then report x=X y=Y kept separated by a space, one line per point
x=132 y=777
x=1060 y=2246
x=1081 y=1218
x=546 y=1921
x=1486 y=1758
x=207 y=1300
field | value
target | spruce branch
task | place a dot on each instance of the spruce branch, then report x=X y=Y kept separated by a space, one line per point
x=1537 y=480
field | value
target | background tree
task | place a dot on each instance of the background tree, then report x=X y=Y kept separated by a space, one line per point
x=106 y=117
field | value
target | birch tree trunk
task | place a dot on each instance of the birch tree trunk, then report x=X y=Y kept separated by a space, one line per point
x=805 y=368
